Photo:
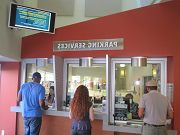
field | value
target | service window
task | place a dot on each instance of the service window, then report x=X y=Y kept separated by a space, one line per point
x=47 y=78
x=129 y=86
x=94 y=78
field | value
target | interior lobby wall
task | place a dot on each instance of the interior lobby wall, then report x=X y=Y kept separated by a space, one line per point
x=151 y=31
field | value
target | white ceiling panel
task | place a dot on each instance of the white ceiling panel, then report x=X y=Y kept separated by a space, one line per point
x=5 y=59
x=61 y=7
x=102 y=7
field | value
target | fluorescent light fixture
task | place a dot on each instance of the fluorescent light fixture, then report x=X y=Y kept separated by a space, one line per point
x=122 y=65
x=137 y=82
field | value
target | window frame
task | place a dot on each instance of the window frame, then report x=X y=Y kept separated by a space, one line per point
x=75 y=61
x=114 y=61
x=23 y=67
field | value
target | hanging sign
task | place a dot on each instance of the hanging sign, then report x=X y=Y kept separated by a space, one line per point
x=81 y=45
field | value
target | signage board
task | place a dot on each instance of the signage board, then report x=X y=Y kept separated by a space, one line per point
x=24 y=17
x=81 y=45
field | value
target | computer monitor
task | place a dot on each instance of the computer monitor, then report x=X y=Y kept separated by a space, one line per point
x=30 y=18
x=98 y=100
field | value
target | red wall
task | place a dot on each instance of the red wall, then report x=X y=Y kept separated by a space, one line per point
x=148 y=31
x=10 y=73
x=152 y=31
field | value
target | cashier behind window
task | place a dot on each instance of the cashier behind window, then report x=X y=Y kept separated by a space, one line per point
x=50 y=98
x=133 y=107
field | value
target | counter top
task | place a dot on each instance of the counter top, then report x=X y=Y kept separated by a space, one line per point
x=62 y=112
x=123 y=128
x=130 y=126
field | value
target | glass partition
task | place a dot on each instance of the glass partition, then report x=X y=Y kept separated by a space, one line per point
x=130 y=86
x=94 y=78
x=47 y=79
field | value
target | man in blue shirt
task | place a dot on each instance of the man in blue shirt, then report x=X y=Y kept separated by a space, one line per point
x=32 y=95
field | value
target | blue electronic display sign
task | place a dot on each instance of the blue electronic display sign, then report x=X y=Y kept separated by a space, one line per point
x=30 y=18
x=26 y=17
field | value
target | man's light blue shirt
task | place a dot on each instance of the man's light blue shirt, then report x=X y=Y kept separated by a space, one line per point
x=31 y=93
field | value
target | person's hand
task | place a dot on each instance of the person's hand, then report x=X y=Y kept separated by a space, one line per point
x=50 y=104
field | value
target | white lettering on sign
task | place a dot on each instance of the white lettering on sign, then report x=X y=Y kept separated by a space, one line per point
x=76 y=45
x=94 y=44
x=72 y=45
x=115 y=43
x=65 y=46
x=80 y=45
x=110 y=44
x=59 y=46
x=84 y=45
x=87 y=45
x=101 y=44
x=62 y=46
x=106 y=44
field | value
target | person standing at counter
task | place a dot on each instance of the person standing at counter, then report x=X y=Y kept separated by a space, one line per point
x=32 y=95
x=155 y=108
x=133 y=107
x=81 y=109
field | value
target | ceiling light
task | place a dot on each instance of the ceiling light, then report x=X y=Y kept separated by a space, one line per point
x=122 y=65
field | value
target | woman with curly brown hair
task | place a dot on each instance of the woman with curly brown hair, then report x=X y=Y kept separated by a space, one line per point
x=81 y=110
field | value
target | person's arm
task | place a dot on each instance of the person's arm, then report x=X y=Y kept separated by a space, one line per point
x=135 y=112
x=19 y=98
x=141 y=112
x=42 y=104
x=70 y=114
x=41 y=98
x=135 y=116
x=170 y=114
x=91 y=113
x=47 y=102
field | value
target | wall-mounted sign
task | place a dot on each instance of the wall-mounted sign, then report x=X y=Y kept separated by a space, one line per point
x=81 y=45
x=30 y=18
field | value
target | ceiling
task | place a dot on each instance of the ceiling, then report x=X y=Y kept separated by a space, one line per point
x=5 y=59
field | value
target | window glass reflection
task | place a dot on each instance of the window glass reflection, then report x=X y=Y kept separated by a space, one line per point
x=46 y=72
x=94 y=78
x=130 y=86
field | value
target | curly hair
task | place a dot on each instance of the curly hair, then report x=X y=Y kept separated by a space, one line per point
x=80 y=103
